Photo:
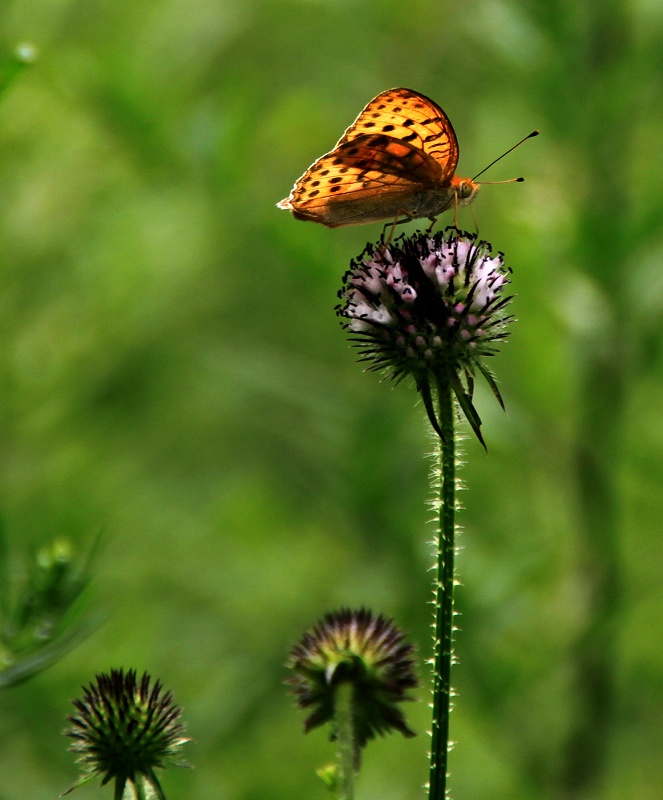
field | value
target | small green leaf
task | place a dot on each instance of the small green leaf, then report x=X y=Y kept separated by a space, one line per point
x=329 y=776
x=11 y=66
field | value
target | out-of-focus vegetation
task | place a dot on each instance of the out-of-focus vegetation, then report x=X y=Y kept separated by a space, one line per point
x=42 y=607
x=172 y=372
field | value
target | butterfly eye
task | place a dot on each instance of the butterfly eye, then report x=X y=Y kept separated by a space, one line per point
x=466 y=189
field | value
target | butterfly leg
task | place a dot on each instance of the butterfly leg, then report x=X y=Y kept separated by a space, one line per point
x=429 y=229
x=390 y=225
x=408 y=218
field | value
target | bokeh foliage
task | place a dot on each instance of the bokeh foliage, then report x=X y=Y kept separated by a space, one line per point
x=172 y=372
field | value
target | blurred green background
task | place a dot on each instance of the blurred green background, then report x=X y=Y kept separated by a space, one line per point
x=172 y=375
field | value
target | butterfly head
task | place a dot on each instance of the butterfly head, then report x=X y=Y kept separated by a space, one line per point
x=465 y=190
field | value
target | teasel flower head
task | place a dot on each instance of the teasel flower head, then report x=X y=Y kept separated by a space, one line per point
x=362 y=652
x=124 y=729
x=432 y=307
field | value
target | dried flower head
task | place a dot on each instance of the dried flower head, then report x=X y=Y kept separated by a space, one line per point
x=124 y=729
x=367 y=652
x=431 y=307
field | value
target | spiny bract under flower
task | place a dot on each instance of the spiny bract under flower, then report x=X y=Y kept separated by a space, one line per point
x=431 y=307
x=367 y=652
x=124 y=729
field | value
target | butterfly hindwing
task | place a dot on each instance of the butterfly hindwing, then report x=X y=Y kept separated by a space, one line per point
x=368 y=162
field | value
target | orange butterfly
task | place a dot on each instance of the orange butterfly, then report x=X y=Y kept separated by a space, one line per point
x=398 y=158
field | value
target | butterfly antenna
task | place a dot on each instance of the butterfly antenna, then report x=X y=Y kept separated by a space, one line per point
x=495 y=183
x=529 y=136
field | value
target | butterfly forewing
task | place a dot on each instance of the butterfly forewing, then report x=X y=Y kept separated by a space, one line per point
x=413 y=118
x=377 y=153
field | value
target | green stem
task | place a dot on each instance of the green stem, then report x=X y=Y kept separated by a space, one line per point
x=143 y=787
x=155 y=787
x=141 y=794
x=345 y=739
x=443 y=597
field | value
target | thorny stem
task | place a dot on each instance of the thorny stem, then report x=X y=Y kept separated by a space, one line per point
x=443 y=597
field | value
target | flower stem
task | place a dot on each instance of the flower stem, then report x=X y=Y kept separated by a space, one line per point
x=443 y=596
x=345 y=739
x=139 y=784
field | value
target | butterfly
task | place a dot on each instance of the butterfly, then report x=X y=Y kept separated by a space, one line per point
x=397 y=159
